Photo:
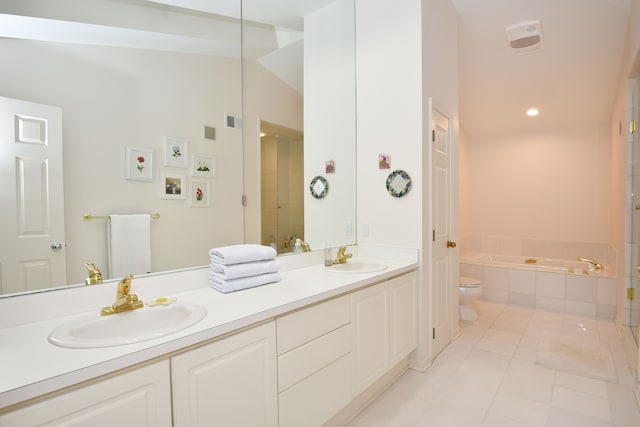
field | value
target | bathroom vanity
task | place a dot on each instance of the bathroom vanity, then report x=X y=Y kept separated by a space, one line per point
x=309 y=350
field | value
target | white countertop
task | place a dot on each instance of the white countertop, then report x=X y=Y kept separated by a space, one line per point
x=31 y=366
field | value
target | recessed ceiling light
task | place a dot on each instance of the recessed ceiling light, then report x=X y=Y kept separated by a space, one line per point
x=532 y=112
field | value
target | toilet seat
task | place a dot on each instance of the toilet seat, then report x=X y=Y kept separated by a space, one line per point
x=468 y=282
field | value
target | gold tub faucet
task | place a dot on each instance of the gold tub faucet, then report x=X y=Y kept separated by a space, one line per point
x=592 y=264
x=125 y=301
x=342 y=255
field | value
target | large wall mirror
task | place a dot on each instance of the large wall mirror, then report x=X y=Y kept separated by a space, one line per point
x=299 y=121
x=145 y=74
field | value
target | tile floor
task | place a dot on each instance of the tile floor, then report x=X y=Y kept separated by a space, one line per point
x=487 y=377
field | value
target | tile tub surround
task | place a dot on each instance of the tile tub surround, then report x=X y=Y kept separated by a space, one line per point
x=579 y=294
x=555 y=249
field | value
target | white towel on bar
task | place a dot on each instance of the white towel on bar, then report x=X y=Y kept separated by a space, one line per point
x=232 y=285
x=129 y=244
x=245 y=269
x=237 y=254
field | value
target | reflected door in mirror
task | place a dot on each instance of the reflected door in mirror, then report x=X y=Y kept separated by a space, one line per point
x=32 y=218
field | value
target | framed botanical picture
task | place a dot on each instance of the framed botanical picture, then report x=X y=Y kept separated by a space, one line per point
x=139 y=164
x=175 y=152
x=172 y=186
x=199 y=196
x=203 y=165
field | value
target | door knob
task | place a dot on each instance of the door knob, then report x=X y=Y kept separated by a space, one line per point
x=451 y=244
x=56 y=246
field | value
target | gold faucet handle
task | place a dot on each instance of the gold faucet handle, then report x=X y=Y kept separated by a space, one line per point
x=342 y=251
x=95 y=275
x=124 y=287
x=342 y=256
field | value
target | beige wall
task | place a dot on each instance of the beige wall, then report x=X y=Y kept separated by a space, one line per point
x=552 y=185
x=464 y=180
x=390 y=119
x=406 y=53
x=330 y=124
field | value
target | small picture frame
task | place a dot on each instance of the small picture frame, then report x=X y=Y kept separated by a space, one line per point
x=139 y=163
x=172 y=186
x=384 y=161
x=203 y=165
x=330 y=166
x=175 y=152
x=199 y=196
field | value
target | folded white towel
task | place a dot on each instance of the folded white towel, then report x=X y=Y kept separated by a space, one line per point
x=245 y=269
x=237 y=254
x=232 y=285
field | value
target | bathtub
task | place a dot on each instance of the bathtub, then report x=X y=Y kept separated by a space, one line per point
x=538 y=264
x=563 y=285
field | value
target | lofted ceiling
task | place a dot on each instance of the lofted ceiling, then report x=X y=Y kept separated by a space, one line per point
x=572 y=80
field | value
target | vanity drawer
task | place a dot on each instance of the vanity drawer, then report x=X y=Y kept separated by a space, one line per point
x=307 y=359
x=310 y=323
x=316 y=399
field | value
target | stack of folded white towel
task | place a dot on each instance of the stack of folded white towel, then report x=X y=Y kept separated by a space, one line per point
x=238 y=267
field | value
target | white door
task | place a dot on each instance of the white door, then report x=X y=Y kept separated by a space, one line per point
x=32 y=254
x=441 y=279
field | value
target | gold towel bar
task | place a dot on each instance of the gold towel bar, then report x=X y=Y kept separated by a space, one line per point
x=90 y=217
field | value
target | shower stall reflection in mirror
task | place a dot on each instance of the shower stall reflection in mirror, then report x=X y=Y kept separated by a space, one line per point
x=281 y=186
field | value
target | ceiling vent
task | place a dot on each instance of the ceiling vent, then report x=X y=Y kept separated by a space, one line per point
x=525 y=37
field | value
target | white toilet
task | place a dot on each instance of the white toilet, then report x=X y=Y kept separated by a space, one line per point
x=469 y=291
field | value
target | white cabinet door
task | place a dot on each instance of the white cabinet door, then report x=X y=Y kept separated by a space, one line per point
x=141 y=397
x=230 y=382
x=402 y=296
x=370 y=323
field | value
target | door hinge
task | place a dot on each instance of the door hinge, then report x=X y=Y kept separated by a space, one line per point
x=244 y=200
x=433 y=135
x=434 y=235
x=632 y=127
x=631 y=294
x=434 y=333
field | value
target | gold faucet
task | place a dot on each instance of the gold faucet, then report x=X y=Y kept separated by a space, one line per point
x=124 y=300
x=305 y=246
x=95 y=275
x=593 y=264
x=342 y=255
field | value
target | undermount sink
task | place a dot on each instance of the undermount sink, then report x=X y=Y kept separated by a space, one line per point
x=94 y=330
x=357 y=266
